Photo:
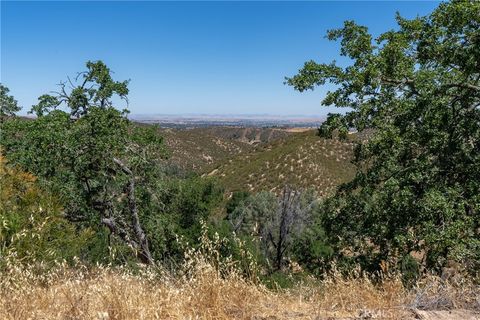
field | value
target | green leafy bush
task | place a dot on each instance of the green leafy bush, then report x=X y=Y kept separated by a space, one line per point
x=33 y=228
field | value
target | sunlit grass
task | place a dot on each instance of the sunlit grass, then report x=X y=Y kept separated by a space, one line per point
x=207 y=286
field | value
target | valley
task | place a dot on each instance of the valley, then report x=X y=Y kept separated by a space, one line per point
x=262 y=159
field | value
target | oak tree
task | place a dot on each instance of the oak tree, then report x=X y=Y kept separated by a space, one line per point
x=416 y=91
x=89 y=153
x=8 y=105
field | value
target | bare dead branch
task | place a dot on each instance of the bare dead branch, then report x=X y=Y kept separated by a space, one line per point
x=132 y=205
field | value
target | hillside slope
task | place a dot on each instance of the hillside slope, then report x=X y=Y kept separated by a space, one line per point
x=198 y=148
x=301 y=160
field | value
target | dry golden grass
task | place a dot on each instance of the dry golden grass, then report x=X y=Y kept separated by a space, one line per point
x=106 y=293
x=208 y=286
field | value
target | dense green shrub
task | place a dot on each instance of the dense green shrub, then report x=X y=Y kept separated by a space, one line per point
x=311 y=249
x=179 y=207
x=32 y=226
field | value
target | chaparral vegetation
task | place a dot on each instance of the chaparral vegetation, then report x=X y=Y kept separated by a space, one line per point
x=374 y=215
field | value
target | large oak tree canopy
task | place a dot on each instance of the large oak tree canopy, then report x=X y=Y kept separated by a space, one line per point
x=90 y=155
x=109 y=174
x=94 y=87
x=8 y=104
x=417 y=88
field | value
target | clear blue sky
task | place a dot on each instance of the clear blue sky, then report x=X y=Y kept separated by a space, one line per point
x=184 y=57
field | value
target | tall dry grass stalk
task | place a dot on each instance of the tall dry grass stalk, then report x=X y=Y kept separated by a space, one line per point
x=107 y=293
x=117 y=293
x=207 y=286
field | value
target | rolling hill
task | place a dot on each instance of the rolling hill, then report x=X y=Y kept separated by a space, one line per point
x=300 y=160
x=199 y=148
x=256 y=159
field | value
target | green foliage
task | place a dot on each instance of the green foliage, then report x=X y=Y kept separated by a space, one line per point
x=177 y=211
x=417 y=90
x=275 y=222
x=278 y=280
x=8 y=104
x=109 y=173
x=410 y=270
x=311 y=249
x=71 y=156
x=91 y=156
x=286 y=279
x=196 y=200
x=32 y=226
x=237 y=198
x=95 y=89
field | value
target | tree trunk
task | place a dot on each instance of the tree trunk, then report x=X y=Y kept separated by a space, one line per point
x=142 y=242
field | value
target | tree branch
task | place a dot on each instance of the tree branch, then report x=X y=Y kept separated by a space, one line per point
x=409 y=82
x=132 y=204
x=463 y=86
x=115 y=229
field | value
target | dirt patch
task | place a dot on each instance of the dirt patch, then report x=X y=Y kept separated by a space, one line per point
x=459 y=314
x=296 y=129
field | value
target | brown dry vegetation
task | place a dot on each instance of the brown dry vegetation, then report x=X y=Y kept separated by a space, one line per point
x=301 y=160
x=199 y=148
x=205 y=293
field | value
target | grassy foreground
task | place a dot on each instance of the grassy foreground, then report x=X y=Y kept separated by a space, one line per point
x=203 y=292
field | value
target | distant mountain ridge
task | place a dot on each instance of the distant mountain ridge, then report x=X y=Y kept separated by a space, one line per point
x=246 y=120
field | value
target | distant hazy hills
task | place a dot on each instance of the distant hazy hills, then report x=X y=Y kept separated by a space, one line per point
x=257 y=159
x=240 y=120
